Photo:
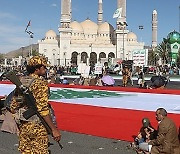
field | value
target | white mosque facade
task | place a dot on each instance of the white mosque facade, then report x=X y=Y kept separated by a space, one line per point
x=87 y=41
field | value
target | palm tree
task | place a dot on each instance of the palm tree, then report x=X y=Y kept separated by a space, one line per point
x=163 y=52
x=152 y=57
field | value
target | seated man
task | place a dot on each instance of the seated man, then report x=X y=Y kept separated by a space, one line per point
x=167 y=141
x=158 y=82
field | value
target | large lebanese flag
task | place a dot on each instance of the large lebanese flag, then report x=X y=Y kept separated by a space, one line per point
x=111 y=112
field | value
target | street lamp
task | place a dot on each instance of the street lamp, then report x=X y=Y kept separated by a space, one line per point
x=22 y=48
x=123 y=27
x=30 y=42
x=64 y=54
x=141 y=28
x=90 y=57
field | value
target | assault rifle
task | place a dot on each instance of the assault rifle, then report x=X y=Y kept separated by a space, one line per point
x=30 y=100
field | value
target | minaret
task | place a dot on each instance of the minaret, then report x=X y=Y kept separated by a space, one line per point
x=70 y=10
x=121 y=32
x=65 y=13
x=154 y=29
x=65 y=31
x=100 y=12
x=121 y=4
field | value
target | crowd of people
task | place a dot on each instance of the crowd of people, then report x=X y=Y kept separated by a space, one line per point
x=33 y=135
x=55 y=74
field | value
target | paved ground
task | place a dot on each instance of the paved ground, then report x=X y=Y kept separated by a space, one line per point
x=75 y=143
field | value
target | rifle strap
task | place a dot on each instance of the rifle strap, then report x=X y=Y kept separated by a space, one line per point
x=27 y=81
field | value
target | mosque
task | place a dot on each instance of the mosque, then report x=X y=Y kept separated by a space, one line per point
x=88 y=42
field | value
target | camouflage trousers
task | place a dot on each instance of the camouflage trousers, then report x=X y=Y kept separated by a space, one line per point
x=125 y=80
x=33 y=139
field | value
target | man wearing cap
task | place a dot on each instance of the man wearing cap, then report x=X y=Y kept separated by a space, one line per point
x=167 y=139
x=33 y=136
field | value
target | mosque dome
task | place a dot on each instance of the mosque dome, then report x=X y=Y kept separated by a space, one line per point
x=105 y=28
x=89 y=27
x=50 y=34
x=76 y=27
x=173 y=37
x=131 y=36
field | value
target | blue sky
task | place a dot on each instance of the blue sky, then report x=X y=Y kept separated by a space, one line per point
x=45 y=15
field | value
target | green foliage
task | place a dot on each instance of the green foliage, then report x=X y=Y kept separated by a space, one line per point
x=153 y=57
x=35 y=53
x=1 y=58
x=163 y=52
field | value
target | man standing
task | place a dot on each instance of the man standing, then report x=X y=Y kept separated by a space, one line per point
x=33 y=136
x=167 y=139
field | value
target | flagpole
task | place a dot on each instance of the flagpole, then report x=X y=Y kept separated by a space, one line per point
x=30 y=33
x=29 y=47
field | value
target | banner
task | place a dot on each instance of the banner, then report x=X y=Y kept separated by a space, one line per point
x=98 y=68
x=140 y=57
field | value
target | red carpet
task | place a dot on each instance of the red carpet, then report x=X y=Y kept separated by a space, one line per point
x=104 y=122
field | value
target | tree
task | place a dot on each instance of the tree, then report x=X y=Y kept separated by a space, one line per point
x=1 y=58
x=34 y=52
x=153 y=57
x=163 y=52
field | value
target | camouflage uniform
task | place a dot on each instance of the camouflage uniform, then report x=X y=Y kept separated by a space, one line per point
x=33 y=137
x=126 y=75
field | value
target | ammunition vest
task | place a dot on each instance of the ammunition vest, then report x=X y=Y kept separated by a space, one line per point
x=22 y=107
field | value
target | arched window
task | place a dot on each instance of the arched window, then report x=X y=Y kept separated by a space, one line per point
x=93 y=58
x=102 y=55
x=111 y=55
x=74 y=57
x=84 y=57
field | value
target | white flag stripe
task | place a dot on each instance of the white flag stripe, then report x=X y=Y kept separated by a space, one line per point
x=129 y=100
x=140 y=101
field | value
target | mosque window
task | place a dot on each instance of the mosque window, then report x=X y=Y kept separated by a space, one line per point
x=106 y=35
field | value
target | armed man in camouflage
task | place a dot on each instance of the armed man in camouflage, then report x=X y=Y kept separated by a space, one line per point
x=33 y=136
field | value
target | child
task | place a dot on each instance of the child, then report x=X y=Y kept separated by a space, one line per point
x=146 y=133
x=65 y=81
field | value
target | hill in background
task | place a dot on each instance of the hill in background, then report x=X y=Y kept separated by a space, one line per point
x=23 y=51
